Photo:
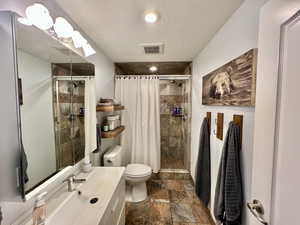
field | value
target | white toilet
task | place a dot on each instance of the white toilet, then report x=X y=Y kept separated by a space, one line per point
x=136 y=175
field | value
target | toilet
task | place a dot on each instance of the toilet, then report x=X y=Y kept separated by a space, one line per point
x=136 y=175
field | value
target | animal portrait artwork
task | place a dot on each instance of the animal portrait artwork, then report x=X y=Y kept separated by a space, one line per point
x=233 y=84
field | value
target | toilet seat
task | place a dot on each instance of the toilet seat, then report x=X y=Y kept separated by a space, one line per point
x=138 y=170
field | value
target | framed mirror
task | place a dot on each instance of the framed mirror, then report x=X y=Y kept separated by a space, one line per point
x=52 y=104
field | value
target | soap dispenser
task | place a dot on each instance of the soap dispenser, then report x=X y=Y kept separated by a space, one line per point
x=39 y=211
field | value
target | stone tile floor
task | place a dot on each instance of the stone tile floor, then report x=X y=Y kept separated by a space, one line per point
x=172 y=201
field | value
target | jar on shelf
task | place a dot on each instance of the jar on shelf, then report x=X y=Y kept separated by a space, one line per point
x=113 y=122
x=105 y=126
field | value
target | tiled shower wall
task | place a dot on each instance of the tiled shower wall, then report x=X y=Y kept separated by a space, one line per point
x=69 y=123
x=175 y=131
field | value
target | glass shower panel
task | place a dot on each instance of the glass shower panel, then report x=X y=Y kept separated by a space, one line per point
x=69 y=121
x=175 y=124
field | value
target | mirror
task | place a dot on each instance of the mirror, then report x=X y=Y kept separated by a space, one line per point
x=52 y=103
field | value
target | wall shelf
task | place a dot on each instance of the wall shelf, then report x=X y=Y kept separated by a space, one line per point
x=109 y=108
x=113 y=133
x=179 y=115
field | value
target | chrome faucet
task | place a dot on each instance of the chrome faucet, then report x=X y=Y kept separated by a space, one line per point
x=71 y=180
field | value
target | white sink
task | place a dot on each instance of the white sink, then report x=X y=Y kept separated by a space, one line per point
x=74 y=210
x=77 y=209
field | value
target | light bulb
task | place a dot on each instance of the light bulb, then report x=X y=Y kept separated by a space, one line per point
x=78 y=39
x=63 y=28
x=151 y=17
x=39 y=16
x=88 y=50
x=153 y=68
x=24 y=21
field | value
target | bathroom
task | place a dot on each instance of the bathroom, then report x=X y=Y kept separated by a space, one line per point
x=127 y=112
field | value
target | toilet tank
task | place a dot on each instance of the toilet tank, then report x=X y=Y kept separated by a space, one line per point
x=113 y=157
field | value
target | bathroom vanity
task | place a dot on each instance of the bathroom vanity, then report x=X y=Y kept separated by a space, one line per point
x=101 y=200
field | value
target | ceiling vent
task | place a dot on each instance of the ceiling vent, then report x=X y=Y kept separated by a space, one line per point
x=153 y=48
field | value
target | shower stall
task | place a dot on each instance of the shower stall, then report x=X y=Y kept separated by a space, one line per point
x=175 y=122
x=68 y=105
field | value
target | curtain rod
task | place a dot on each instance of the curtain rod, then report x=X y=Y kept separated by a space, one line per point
x=72 y=77
x=175 y=77
x=164 y=77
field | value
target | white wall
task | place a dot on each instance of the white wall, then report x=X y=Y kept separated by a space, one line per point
x=105 y=88
x=104 y=69
x=238 y=35
x=37 y=117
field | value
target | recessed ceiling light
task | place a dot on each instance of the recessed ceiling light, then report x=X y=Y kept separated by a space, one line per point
x=151 y=16
x=153 y=68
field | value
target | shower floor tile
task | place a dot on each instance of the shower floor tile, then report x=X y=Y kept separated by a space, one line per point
x=171 y=201
x=171 y=163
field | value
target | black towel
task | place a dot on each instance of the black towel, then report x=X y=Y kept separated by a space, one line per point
x=1 y=216
x=229 y=194
x=98 y=128
x=24 y=166
x=203 y=179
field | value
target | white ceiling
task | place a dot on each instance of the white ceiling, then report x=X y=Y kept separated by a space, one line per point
x=117 y=26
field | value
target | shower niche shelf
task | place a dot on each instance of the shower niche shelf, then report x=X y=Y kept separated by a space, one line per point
x=109 y=108
x=178 y=115
x=113 y=133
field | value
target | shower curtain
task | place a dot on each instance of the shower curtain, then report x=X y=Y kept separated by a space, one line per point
x=141 y=117
x=90 y=116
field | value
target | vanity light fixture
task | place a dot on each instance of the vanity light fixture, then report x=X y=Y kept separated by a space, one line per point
x=151 y=16
x=24 y=21
x=39 y=16
x=88 y=50
x=78 y=40
x=153 y=69
x=63 y=28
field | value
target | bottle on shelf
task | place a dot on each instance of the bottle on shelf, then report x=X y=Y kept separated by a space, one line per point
x=105 y=126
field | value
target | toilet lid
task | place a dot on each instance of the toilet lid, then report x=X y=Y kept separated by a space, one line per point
x=138 y=170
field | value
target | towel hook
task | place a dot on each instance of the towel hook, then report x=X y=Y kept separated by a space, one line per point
x=238 y=120
x=208 y=116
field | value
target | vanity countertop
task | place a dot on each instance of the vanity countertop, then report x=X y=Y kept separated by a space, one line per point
x=75 y=209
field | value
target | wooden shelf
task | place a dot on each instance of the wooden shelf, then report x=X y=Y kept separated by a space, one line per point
x=109 y=108
x=113 y=133
x=179 y=115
